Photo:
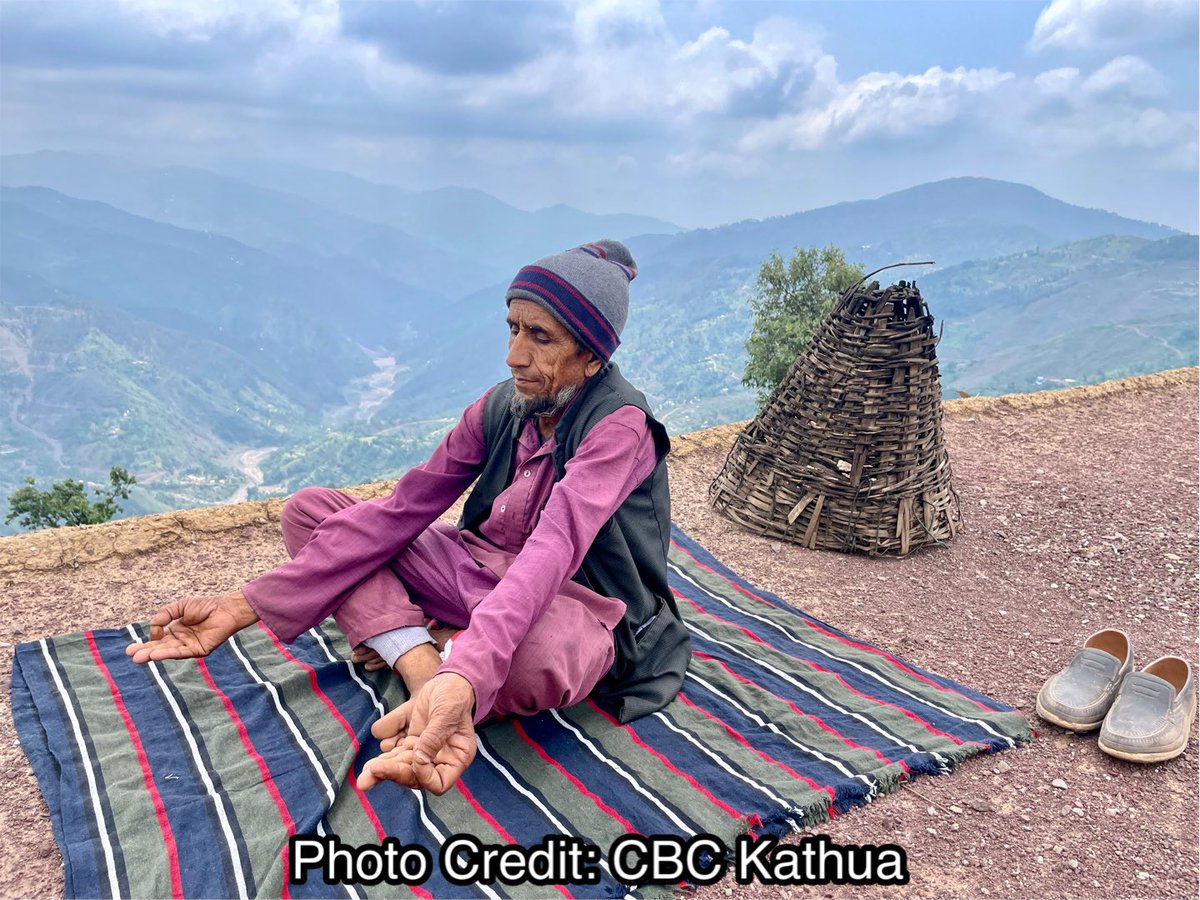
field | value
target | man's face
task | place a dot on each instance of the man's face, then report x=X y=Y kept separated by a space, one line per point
x=544 y=357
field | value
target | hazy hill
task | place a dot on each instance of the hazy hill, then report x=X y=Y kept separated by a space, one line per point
x=947 y=221
x=448 y=241
x=211 y=287
x=288 y=226
x=461 y=220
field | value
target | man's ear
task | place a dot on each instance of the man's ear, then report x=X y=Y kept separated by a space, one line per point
x=592 y=366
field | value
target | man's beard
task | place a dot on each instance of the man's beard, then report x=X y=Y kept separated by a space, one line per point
x=523 y=407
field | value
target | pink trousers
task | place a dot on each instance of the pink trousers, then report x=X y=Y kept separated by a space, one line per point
x=566 y=652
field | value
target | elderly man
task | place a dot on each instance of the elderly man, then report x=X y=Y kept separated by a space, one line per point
x=556 y=573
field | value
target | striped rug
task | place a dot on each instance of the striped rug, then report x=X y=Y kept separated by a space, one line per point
x=187 y=778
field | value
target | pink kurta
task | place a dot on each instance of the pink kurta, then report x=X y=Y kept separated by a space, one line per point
x=378 y=565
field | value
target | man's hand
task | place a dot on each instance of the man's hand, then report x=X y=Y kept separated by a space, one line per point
x=192 y=627
x=429 y=740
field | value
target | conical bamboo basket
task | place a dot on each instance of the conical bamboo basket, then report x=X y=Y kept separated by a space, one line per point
x=848 y=453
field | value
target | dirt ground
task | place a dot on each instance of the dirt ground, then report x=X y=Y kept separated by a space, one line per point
x=1080 y=513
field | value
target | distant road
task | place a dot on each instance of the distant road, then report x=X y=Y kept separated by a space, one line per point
x=248 y=462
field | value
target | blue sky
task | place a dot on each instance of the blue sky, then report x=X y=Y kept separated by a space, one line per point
x=702 y=113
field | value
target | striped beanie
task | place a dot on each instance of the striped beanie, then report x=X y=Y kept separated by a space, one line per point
x=587 y=289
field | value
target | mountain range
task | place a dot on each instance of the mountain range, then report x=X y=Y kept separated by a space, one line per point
x=256 y=327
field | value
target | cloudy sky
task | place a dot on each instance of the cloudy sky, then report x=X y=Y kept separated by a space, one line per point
x=701 y=113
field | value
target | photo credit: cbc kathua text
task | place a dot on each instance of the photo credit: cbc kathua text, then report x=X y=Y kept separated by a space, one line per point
x=632 y=859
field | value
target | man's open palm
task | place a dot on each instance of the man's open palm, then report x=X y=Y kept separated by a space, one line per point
x=193 y=627
x=436 y=740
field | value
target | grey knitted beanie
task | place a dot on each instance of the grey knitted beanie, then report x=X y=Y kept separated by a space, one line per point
x=587 y=289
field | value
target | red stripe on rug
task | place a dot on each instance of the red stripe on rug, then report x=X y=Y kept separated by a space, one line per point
x=928 y=726
x=160 y=810
x=850 y=742
x=333 y=711
x=857 y=645
x=491 y=820
x=704 y=612
x=628 y=729
x=289 y=824
x=740 y=738
x=579 y=785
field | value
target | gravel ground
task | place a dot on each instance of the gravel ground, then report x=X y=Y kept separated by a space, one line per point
x=1078 y=516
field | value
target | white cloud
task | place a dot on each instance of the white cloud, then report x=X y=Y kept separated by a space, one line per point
x=878 y=105
x=1057 y=82
x=1115 y=108
x=652 y=80
x=719 y=74
x=1110 y=24
x=1062 y=114
x=203 y=19
x=1128 y=75
x=601 y=22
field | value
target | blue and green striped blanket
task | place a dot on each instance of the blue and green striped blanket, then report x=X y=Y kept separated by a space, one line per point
x=188 y=778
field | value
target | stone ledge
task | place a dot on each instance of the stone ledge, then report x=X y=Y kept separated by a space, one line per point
x=54 y=548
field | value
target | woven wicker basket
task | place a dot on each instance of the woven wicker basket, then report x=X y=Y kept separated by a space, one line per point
x=848 y=452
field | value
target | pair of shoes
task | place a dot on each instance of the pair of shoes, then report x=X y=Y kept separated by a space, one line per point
x=1143 y=716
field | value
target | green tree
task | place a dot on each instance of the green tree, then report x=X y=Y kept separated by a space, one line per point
x=66 y=503
x=792 y=298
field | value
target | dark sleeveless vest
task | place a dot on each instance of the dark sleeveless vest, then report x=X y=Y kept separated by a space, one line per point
x=628 y=558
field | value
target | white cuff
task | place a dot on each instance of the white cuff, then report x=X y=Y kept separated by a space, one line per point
x=392 y=645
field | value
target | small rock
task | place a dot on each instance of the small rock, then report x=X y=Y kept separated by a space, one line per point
x=1059 y=783
x=1144 y=876
x=931 y=831
x=1073 y=863
x=1040 y=859
x=955 y=809
x=1003 y=766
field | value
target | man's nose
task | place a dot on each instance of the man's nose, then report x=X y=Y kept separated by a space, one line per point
x=518 y=353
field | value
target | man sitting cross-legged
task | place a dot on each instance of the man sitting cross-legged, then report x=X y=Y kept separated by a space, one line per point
x=555 y=577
